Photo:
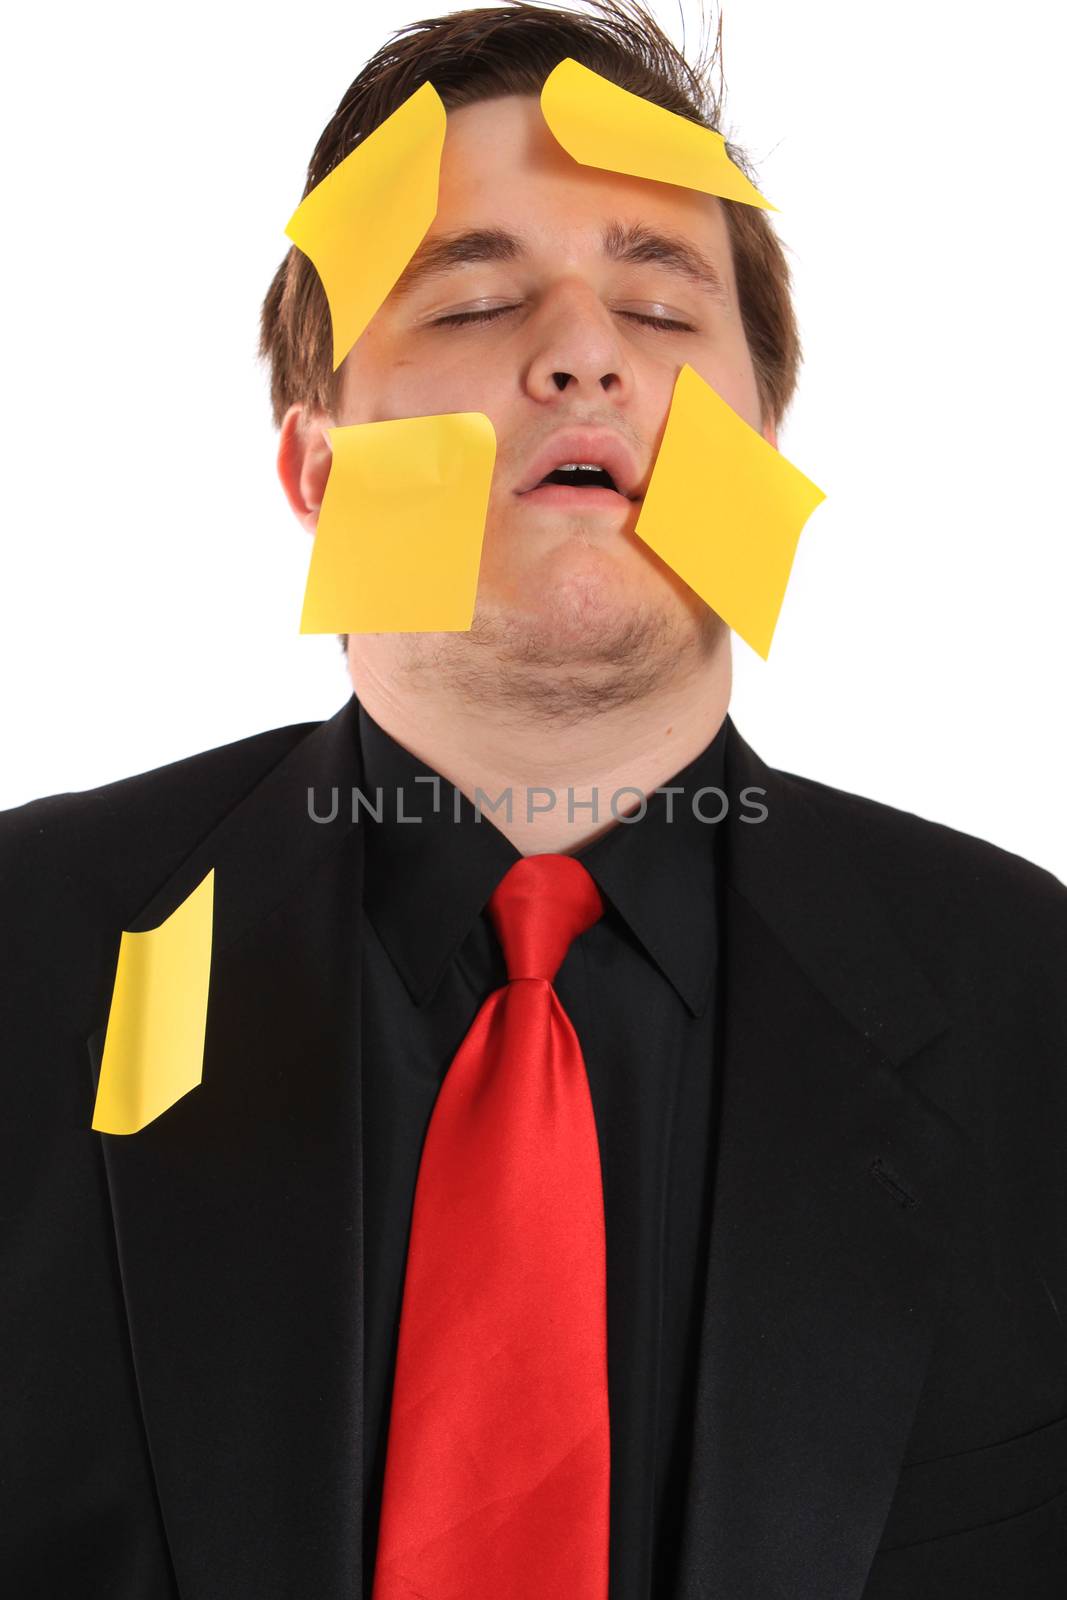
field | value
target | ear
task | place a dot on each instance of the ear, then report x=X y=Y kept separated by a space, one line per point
x=304 y=457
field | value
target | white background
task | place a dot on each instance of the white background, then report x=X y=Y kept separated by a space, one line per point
x=153 y=575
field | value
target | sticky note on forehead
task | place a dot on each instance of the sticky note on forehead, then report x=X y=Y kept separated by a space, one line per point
x=601 y=125
x=363 y=223
x=399 y=538
x=725 y=510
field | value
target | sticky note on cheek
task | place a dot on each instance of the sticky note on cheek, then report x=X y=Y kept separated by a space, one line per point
x=725 y=510
x=154 y=1045
x=399 y=539
x=601 y=125
x=363 y=223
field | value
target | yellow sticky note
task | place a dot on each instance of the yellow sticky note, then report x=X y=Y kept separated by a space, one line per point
x=399 y=538
x=154 y=1047
x=363 y=223
x=601 y=125
x=725 y=510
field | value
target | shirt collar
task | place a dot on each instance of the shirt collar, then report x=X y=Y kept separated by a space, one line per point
x=427 y=880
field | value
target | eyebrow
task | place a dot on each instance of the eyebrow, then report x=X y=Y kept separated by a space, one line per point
x=631 y=243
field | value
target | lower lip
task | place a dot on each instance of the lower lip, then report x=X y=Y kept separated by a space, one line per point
x=561 y=497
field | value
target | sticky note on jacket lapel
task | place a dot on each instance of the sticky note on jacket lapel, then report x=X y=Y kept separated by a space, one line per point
x=601 y=125
x=399 y=538
x=363 y=223
x=154 y=1045
x=725 y=510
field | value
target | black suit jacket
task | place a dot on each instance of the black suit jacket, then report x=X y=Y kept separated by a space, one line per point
x=882 y=1395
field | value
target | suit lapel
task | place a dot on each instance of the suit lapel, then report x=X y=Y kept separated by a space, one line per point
x=238 y=1211
x=831 y=1195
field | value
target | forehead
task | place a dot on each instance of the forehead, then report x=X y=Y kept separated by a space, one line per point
x=501 y=166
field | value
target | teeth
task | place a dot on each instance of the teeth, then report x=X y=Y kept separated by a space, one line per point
x=579 y=466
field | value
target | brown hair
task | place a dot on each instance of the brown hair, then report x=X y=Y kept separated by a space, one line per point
x=471 y=56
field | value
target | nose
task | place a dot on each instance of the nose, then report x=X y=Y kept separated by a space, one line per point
x=576 y=347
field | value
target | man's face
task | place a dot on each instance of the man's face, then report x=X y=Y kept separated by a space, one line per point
x=576 y=326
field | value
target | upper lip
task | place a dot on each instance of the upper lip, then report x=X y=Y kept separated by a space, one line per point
x=598 y=445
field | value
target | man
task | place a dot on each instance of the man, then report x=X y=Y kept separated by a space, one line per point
x=823 y=1039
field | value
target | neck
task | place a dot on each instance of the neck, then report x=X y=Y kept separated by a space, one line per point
x=548 y=769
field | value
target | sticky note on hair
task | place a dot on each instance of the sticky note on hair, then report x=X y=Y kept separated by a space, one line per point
x=725 y=510
x=154 y=1045
x=399 y=538
x=363 y=223
x=601 y=125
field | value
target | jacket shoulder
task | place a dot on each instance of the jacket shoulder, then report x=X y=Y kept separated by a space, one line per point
x=102 y=851
x=962 y=904
x=893 y=840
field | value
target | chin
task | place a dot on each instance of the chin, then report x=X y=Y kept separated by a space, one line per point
x=580 y=618
x=588 y=598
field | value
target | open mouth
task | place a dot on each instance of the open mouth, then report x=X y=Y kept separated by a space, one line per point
x=577 y=486
x=580 y=476
x=584 y=467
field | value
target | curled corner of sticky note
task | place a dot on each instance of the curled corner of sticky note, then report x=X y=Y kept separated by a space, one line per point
x=362 y=223
x=600 y=124
x=154 y=1045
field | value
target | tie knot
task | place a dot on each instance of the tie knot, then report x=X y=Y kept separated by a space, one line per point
x=539 y=907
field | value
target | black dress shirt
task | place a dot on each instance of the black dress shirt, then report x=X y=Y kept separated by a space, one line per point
x=639 y=987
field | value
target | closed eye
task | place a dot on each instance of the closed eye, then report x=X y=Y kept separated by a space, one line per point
x=458 y=318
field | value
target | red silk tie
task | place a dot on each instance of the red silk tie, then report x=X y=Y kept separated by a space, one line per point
x=498 y=1461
